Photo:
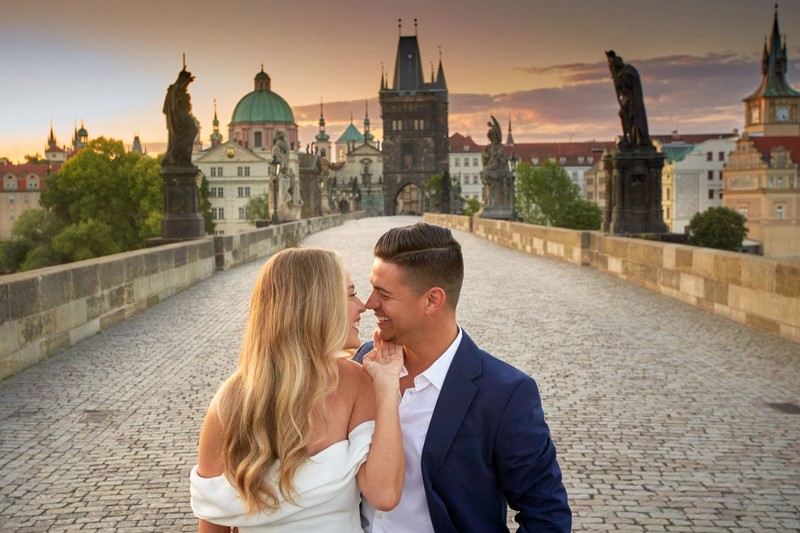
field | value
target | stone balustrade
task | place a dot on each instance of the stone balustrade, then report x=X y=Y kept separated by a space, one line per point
x=756 y=291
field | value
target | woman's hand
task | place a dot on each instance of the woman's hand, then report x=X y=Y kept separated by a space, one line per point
x=385 y=361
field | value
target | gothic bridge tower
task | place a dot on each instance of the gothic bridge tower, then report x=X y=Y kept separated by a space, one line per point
x=415 y=133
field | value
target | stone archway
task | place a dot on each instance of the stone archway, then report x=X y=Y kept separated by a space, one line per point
x=344 y=206
x=409 y=201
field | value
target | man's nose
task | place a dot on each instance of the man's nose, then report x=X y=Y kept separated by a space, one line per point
x=372 y=301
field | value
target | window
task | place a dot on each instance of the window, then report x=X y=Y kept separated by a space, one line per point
x=240 y=171
x=709 y=156
x=466 y=162
x=11 y=217
x=25 y=200
x=466 y=180
x=779 y=212
x=668 y=191
x=247 y=172
x=243 y=192
x=219 y=172
x=535 y=160
x=710 y=194
x=457 y=162
x=590 y=159
x=721 y=156
x=474 y=161
x=475 y=179
x=242 y=213
x=213 y=172
x=562 y=160
x=216 y=192
x=218 y=213
x=10 y=200
x=710 y=175
x=743 y=211
x=668 y=213
x=779 y=183
x=580 y=159
x=257 y=139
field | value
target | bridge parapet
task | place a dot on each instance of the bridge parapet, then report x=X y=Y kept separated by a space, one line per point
x=46 y=310
x=752 y=290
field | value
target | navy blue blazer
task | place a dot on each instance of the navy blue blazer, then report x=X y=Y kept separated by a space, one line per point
x=487 y=445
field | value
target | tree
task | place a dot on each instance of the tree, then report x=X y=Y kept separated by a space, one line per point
x=31 y=245
x=472 y=206
x=718 y=227
x=257 y=208
x=106 y=185
x=205 y=206
x=546 y=195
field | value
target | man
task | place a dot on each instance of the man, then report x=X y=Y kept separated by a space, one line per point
x=473 y=428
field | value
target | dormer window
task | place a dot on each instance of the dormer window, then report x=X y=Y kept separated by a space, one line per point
x=562 y=160
x=590 y=159
x=535 y=160
x=580 y=159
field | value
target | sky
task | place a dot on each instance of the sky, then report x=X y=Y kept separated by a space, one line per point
x=539 y=63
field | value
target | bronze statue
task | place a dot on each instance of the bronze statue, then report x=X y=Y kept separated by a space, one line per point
x=631 y=101
x=181 y=124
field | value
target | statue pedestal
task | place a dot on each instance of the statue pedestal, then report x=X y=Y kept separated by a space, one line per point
x=497 y=195
x=182 y=220
x=633 y=192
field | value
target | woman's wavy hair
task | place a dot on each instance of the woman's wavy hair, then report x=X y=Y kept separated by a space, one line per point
x=296 y=327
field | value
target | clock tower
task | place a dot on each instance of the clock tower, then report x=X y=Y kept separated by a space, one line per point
x=774 y=108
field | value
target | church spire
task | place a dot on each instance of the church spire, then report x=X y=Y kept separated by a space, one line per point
x=368 y=137
x=774 y=63
x=510 y=138
x=216 y=137
x=440 y=81
x=321 y=136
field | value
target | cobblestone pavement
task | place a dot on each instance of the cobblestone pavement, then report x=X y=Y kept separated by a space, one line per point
x=661 y=413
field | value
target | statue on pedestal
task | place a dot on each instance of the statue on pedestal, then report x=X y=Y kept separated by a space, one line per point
x=182 y=220
x=496 y=177
x=633 y=190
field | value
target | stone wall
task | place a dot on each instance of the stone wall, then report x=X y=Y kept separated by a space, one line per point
x=46 y=310
x=759 y=292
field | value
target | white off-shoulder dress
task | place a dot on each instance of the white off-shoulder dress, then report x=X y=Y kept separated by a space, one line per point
x=327 y=493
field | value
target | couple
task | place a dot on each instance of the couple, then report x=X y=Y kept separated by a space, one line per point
x=436 y=434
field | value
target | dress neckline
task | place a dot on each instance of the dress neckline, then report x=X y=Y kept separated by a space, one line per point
x=349 y=435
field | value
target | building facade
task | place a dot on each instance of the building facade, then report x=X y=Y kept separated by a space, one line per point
x=20 y=189
x=760 y=179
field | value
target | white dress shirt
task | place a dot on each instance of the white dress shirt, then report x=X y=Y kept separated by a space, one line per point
x=416 y=409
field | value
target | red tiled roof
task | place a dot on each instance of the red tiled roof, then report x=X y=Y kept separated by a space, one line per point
x=574 y=153
x=765 y=145
x=691 y=138
x=458 y=142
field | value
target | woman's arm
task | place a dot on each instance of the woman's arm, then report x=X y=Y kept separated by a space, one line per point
x=209 y=459
x=381 y=477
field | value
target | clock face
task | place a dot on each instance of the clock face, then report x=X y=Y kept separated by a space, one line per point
x=782 y=114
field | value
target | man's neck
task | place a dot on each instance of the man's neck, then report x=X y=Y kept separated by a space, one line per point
x=420 y=355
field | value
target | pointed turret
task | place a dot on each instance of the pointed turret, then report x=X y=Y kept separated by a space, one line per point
x=408 y=65
x=440 y=81
x=321 y=136
x=368 y=137
x=510 y=138
x=774 y=62
x=216 y=136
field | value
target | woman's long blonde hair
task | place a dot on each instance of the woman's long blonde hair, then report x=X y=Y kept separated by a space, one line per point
x=297 y=325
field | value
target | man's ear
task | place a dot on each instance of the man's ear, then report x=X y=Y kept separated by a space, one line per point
x=435 y=300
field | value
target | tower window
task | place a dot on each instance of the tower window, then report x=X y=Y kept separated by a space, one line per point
x=257 y=139
x=408 y=155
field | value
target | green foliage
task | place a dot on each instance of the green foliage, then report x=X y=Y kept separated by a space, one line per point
x=103 y=183
x=205 y=206
x=85 y=240
x=31 y=246
x=718 y=227
x=35 y=159
x=471 y=206
x=103 y=201
x=547 y=196
x=257 y=208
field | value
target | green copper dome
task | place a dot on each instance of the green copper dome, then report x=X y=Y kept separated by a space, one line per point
x=262 y=105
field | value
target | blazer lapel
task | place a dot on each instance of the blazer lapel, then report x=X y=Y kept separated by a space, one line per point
x=451 y=407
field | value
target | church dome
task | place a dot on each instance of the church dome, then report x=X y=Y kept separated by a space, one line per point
x=262 y=105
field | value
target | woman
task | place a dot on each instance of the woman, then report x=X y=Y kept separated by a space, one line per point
x=285 y=440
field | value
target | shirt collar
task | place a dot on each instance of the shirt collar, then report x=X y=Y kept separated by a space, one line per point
x=436 y=373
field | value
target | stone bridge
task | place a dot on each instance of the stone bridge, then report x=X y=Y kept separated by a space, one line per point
x=666 y=417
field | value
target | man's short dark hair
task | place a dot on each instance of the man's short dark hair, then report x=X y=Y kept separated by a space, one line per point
x=429 y=256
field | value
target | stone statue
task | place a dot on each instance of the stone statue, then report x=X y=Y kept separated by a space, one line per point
x=628 y=86
x=493 y=156
x=280 y=149
x=181 y=125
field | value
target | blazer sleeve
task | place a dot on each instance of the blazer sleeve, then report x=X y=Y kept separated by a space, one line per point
x=361 y=352
x=526 y=464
